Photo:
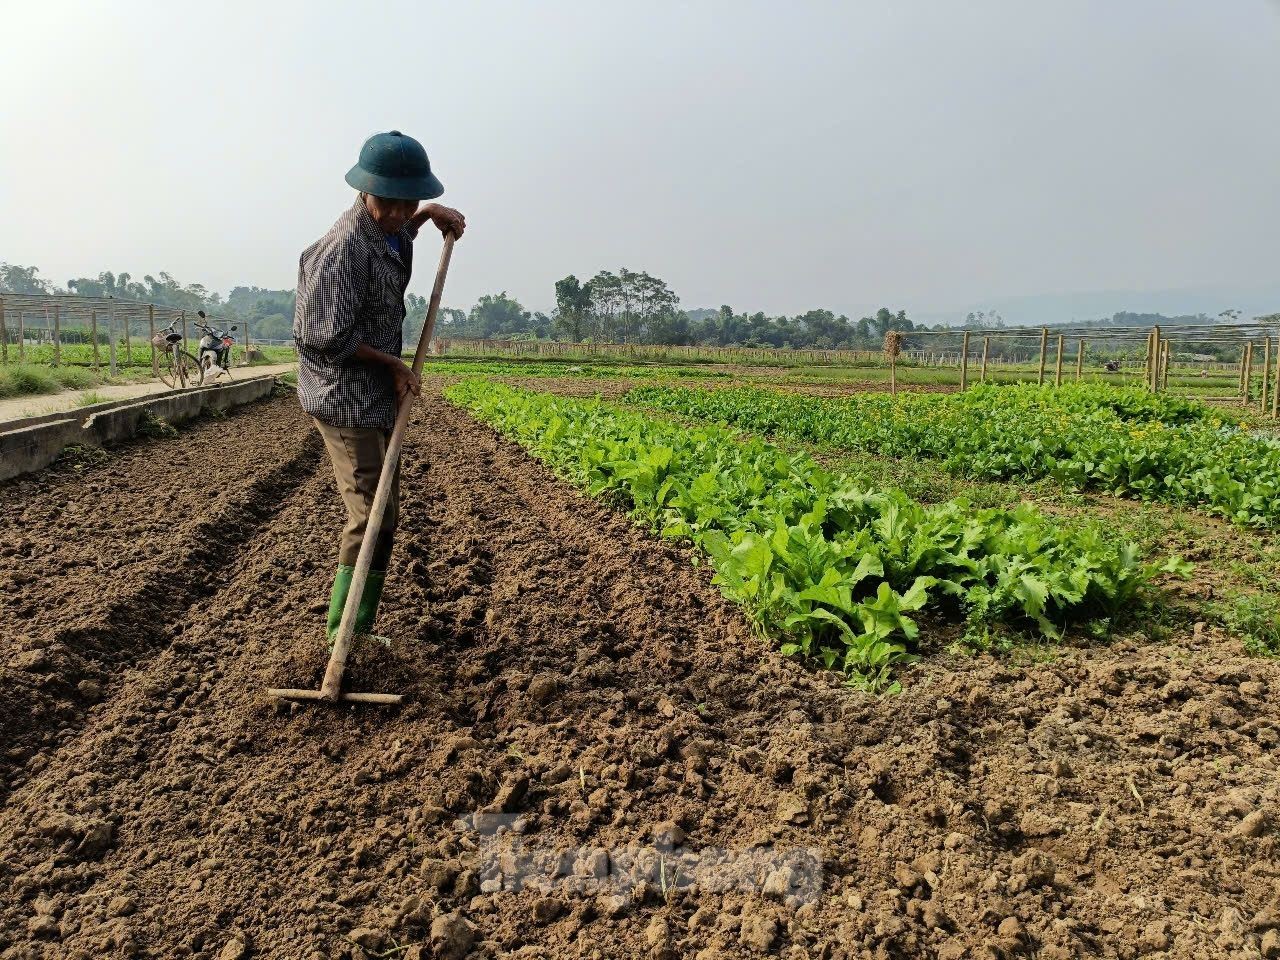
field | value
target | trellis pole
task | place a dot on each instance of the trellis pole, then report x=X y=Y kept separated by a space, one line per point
x=151 y=325
x=1080 y=361
x=1155 y=358
x=1247 y=373
x=964 y=363
x=1275 y=388
x=1044 y=347
x=93 y=332
x=986 y=347
x=57 y=334
x=1057 y=369
x=893 y=346
x=111 y=339
x=1266 y=374
x=22 y=335
x=1168 y=355
x=4 y=336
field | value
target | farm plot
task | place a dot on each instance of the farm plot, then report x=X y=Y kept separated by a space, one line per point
x=830 y=569
x=674 y=781
x=1122 y=442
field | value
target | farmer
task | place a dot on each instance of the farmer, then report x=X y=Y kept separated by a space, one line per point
x=346 y=324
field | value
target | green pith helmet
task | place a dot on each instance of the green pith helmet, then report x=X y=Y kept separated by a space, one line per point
x=394 y=166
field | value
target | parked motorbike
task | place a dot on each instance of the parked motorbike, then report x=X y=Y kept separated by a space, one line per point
x=213 y=355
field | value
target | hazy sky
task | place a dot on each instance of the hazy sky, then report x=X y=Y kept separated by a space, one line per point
x=926 y=154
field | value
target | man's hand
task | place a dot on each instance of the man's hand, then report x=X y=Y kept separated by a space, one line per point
x=402 y=376
x=447 y=220
x=406 y=381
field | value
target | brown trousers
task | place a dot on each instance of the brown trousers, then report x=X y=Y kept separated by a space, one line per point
x=357 y=454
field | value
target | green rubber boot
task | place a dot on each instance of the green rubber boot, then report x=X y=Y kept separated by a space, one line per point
x=338 y=599
x=367 y=612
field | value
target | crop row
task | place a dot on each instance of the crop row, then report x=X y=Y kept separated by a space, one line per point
x=828 y=569
x=540 y=369
x=1090 y=437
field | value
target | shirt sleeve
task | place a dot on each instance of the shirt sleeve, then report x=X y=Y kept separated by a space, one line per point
x=330 y=300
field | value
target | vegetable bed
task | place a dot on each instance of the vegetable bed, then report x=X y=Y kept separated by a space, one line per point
x=828 y=569
x=1124 y=441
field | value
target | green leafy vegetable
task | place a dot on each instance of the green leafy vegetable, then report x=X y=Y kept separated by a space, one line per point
x=1125 y=441
x=829 y=570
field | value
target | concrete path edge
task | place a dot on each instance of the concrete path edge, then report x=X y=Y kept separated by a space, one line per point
x=34 y=443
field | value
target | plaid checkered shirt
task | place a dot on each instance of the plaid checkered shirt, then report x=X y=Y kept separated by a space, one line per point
x=351 y=288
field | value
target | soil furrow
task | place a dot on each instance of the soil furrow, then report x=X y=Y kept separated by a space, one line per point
x=140 y=576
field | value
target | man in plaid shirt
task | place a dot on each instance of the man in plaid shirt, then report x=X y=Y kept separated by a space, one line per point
x=347 y=327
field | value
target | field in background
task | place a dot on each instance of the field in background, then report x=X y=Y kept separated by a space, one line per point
x=1217 y=386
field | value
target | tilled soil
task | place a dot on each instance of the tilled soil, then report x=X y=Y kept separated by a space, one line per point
x=598 y=758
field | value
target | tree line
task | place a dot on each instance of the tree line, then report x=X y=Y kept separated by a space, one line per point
x=616 y=307
x=635 y=307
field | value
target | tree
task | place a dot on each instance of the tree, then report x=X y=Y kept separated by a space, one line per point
x=451 y=317
x=541 y=326
x=670 y=327
x=16 y=279
x=573 y=301
x=623 y=306
x=498 y=316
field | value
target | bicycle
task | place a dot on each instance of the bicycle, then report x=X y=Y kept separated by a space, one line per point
x=178 y=368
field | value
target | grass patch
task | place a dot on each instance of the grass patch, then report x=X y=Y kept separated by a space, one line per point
x=270 y=355
x=77 y=457
x=1255 y=618
x=26 y=380
x=89 y=398
x=30 y=379
x=155 y=427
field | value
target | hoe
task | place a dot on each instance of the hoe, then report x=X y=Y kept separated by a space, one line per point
x=331 y=688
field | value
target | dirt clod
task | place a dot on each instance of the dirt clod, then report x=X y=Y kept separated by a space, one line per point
x=43 y=926
x=370 y=938
x=546 y=909
x=1253 y=825
x=451 y=936
x=542 y=688
x=758 y=932
x=792 y=809
x=667 y=835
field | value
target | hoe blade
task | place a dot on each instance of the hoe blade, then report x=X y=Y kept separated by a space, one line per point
x=385 y=699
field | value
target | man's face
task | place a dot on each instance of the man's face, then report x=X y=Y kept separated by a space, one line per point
x=390 y=215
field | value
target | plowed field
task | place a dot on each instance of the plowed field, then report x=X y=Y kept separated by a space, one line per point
x=597 y=759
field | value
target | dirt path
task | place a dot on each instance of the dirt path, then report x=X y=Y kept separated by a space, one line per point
x=599 y=759
x=17 y=408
